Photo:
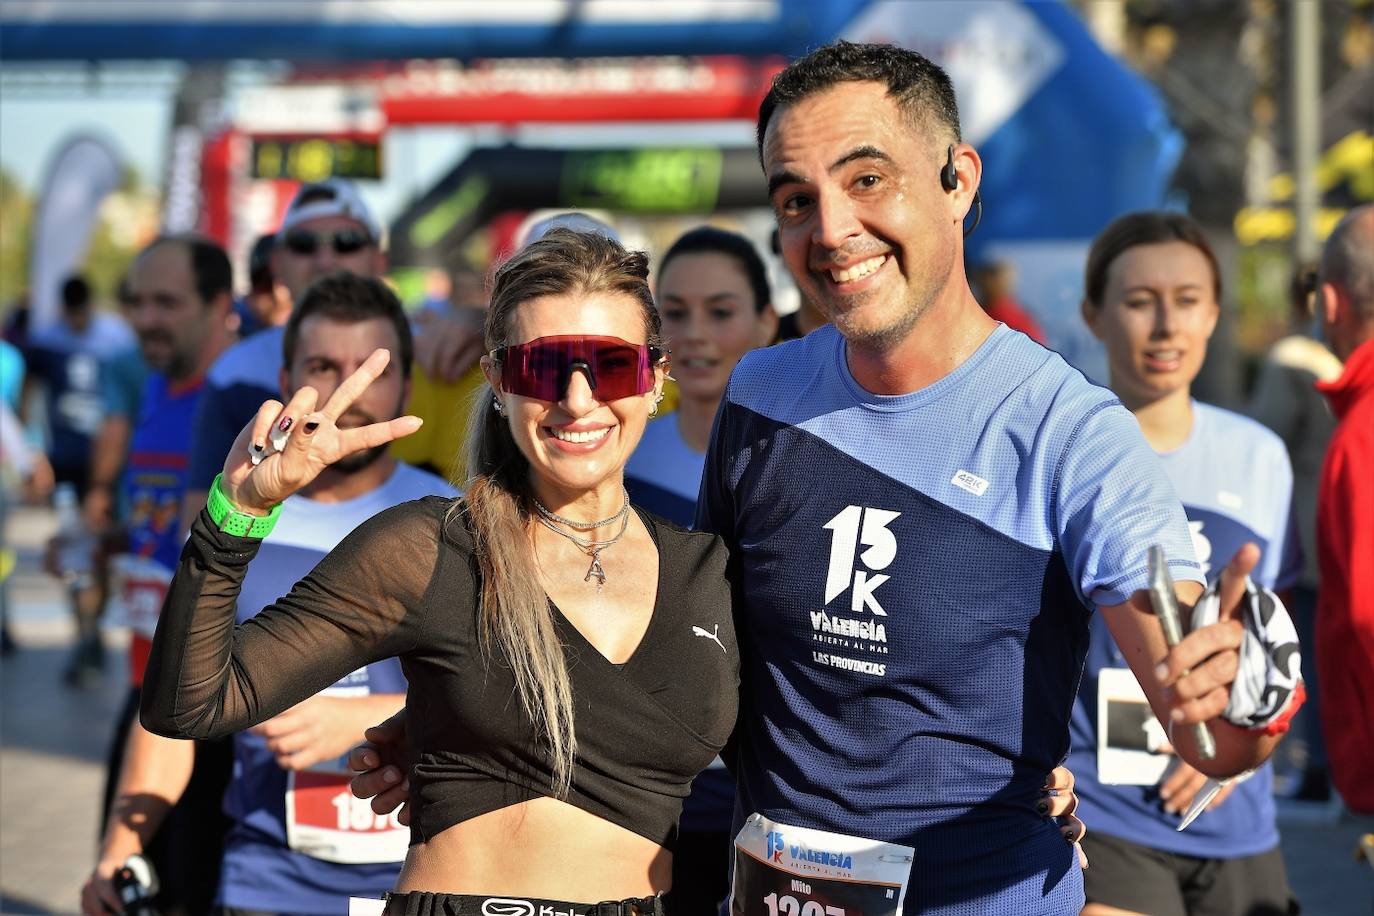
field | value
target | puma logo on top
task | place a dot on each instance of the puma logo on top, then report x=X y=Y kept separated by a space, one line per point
x=714 y=635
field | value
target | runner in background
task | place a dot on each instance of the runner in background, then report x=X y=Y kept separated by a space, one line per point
x=1286 y=400
x=267 y=303
x=294 y=847
x=713 y=295
x=1345 y=510
x=1152 y=296
x=64 y=360
x=327 y=227
x=180 y=300
x=24 y=470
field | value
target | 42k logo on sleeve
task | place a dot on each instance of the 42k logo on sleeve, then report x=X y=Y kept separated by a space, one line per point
x=851 y=527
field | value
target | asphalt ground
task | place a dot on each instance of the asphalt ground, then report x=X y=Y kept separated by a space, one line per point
x=53 y=741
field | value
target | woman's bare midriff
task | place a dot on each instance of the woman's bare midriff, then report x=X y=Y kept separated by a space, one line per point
x=540 y=848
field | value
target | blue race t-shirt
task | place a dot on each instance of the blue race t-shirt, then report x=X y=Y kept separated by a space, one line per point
x=916 y=577
x=663 y=474
x=242 y=378
x=154 y=488
x=68 y=364
x=122 y=380
x=1236 y=485
x=122 y=377
x=261 y=870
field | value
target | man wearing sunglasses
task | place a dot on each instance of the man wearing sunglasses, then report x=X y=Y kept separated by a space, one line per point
x=327 y=228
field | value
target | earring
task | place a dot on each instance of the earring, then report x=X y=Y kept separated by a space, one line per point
x=496 y=402
x=653 y=410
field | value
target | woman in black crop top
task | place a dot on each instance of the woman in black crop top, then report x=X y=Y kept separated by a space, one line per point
x=571 y=660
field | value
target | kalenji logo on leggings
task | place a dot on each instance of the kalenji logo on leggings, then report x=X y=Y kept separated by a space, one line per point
x=502 y=906
x=852 y=526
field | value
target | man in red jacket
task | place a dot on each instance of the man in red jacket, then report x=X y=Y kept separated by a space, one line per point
x=1345 y=513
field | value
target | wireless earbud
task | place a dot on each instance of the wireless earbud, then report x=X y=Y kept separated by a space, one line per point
x=949 y=180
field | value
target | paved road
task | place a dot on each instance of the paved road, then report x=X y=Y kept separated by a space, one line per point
x=53 y=740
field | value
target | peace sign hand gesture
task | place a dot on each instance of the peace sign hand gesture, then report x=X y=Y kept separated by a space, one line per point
x=314 y=441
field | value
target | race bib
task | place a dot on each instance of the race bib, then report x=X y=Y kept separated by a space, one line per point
x=1130 y=740
x=795 y=871
x=324 y=821
x=142 y=587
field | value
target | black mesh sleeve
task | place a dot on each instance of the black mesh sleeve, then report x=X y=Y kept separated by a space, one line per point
x=207 y=677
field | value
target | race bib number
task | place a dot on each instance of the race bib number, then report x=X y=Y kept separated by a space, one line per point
x=795 y=871
x=142 y=586
x=324 y=821
x=1130 y=740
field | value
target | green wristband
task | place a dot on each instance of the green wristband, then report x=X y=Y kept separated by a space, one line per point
x=230 y=520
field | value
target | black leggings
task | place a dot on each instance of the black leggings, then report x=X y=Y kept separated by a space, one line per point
x=422 y=903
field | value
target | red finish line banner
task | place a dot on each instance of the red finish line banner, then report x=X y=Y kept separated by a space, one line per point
x=608 y=89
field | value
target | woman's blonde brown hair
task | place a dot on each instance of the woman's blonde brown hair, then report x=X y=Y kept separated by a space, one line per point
x=514 y=611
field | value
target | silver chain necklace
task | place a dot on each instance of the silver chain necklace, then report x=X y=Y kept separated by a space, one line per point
x=593 y=548
x=583 y=526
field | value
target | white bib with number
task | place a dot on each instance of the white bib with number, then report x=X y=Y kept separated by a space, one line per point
x=324 y=820
x=142 y=585
x=795 y=871
x=1130 y=740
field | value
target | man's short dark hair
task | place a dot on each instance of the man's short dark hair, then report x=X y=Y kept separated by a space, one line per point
x=210 y=269
x=918 y=86
x=348 y=298
x=76 y=293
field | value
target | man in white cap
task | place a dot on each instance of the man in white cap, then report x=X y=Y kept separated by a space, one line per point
x=327 y=227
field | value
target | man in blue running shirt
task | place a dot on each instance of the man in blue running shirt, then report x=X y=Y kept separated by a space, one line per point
x=179 y=302
x=913 y=631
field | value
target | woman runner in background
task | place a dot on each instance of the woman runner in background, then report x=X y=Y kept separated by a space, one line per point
x=1152 y=296
x=716 y=306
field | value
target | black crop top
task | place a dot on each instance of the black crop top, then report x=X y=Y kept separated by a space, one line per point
x=405 y=584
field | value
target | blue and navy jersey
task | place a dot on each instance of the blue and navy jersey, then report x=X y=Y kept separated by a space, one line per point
x=155 y=474
x=916 y=575
x=1234 y=479
x=260 y=872
x=242 y=378
x=663 y=474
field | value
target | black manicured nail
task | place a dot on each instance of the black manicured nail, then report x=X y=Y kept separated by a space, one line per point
x=257 y=446
x=285 y=424
x=311 y=426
